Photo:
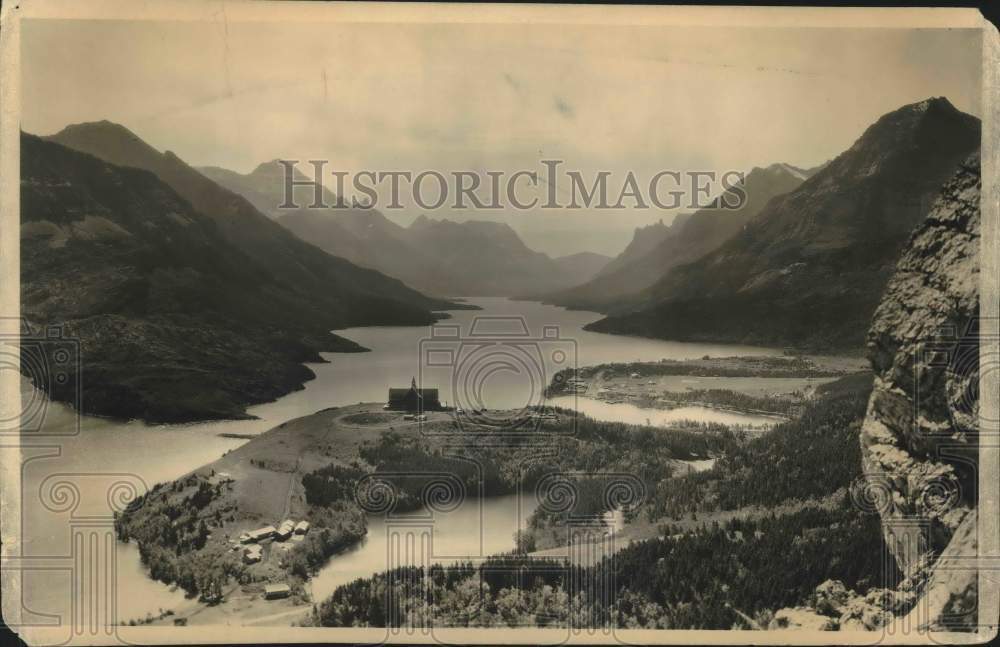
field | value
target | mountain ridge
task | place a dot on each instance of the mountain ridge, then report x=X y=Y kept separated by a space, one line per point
x=172 y=323
x=301 y=266
x=264 y=187
x=807 y=271
x=438 y=256
x=654 y=250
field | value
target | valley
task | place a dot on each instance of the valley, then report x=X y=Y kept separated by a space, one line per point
x=437 y=256
x=320 y=407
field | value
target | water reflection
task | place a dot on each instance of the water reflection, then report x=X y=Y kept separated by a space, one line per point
x=476 y=529
x=629 y=413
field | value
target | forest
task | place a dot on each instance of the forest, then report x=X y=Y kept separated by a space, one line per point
x=716 y=577
x=695 y=575
x=705 y=367
x=171 y=524
x=499 y=463
x=808 y=457
x=735 y=400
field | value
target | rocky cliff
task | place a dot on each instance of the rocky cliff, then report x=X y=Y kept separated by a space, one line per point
x=919 y=439
x=920 y=436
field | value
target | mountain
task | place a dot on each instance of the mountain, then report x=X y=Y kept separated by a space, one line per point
x=300 y=266
x=809 y=269
x=264 y=187
x=173 y=322
x=485 y=258
x=644 y=240
x=656 y=249
x=178 y=315
x=439 y=257
x=369 y=239
x=583 y=265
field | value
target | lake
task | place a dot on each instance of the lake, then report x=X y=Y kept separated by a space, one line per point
x=502 y=361
x=476 y=529
x=634 y=415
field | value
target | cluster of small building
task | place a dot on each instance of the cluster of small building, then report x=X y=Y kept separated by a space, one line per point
x=253 y=553
x=577 y=385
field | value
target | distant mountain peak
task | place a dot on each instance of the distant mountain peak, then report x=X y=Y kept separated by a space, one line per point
x=939 y=102
x=930 y=125
x=106 y=131
x=794 y=171
x=819 y=254
x=423 y=220
x=910 y=117
x=102 y=125
x=653 y=229
x=444 y=256
x=267 y=168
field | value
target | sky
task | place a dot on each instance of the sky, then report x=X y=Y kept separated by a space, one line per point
x=500 y=97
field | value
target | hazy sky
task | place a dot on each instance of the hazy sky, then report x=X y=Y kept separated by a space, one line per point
x=492 y=97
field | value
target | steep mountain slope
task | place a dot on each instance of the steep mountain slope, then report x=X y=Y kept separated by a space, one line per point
x=486 y=258
x=809 y=269
x=583 y=265
x=333 y=282
x=264 y=187
x=685 y=240
x=644 y=240
x=369 y=239
x=174 y=323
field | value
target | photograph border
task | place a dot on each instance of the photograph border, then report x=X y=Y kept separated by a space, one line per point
x=10 y=467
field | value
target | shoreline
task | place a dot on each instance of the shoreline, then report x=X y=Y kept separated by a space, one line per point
x=697 y=403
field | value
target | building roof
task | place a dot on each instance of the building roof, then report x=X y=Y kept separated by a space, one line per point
x=398 y=394
x=275 y=588
x=266 y=530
